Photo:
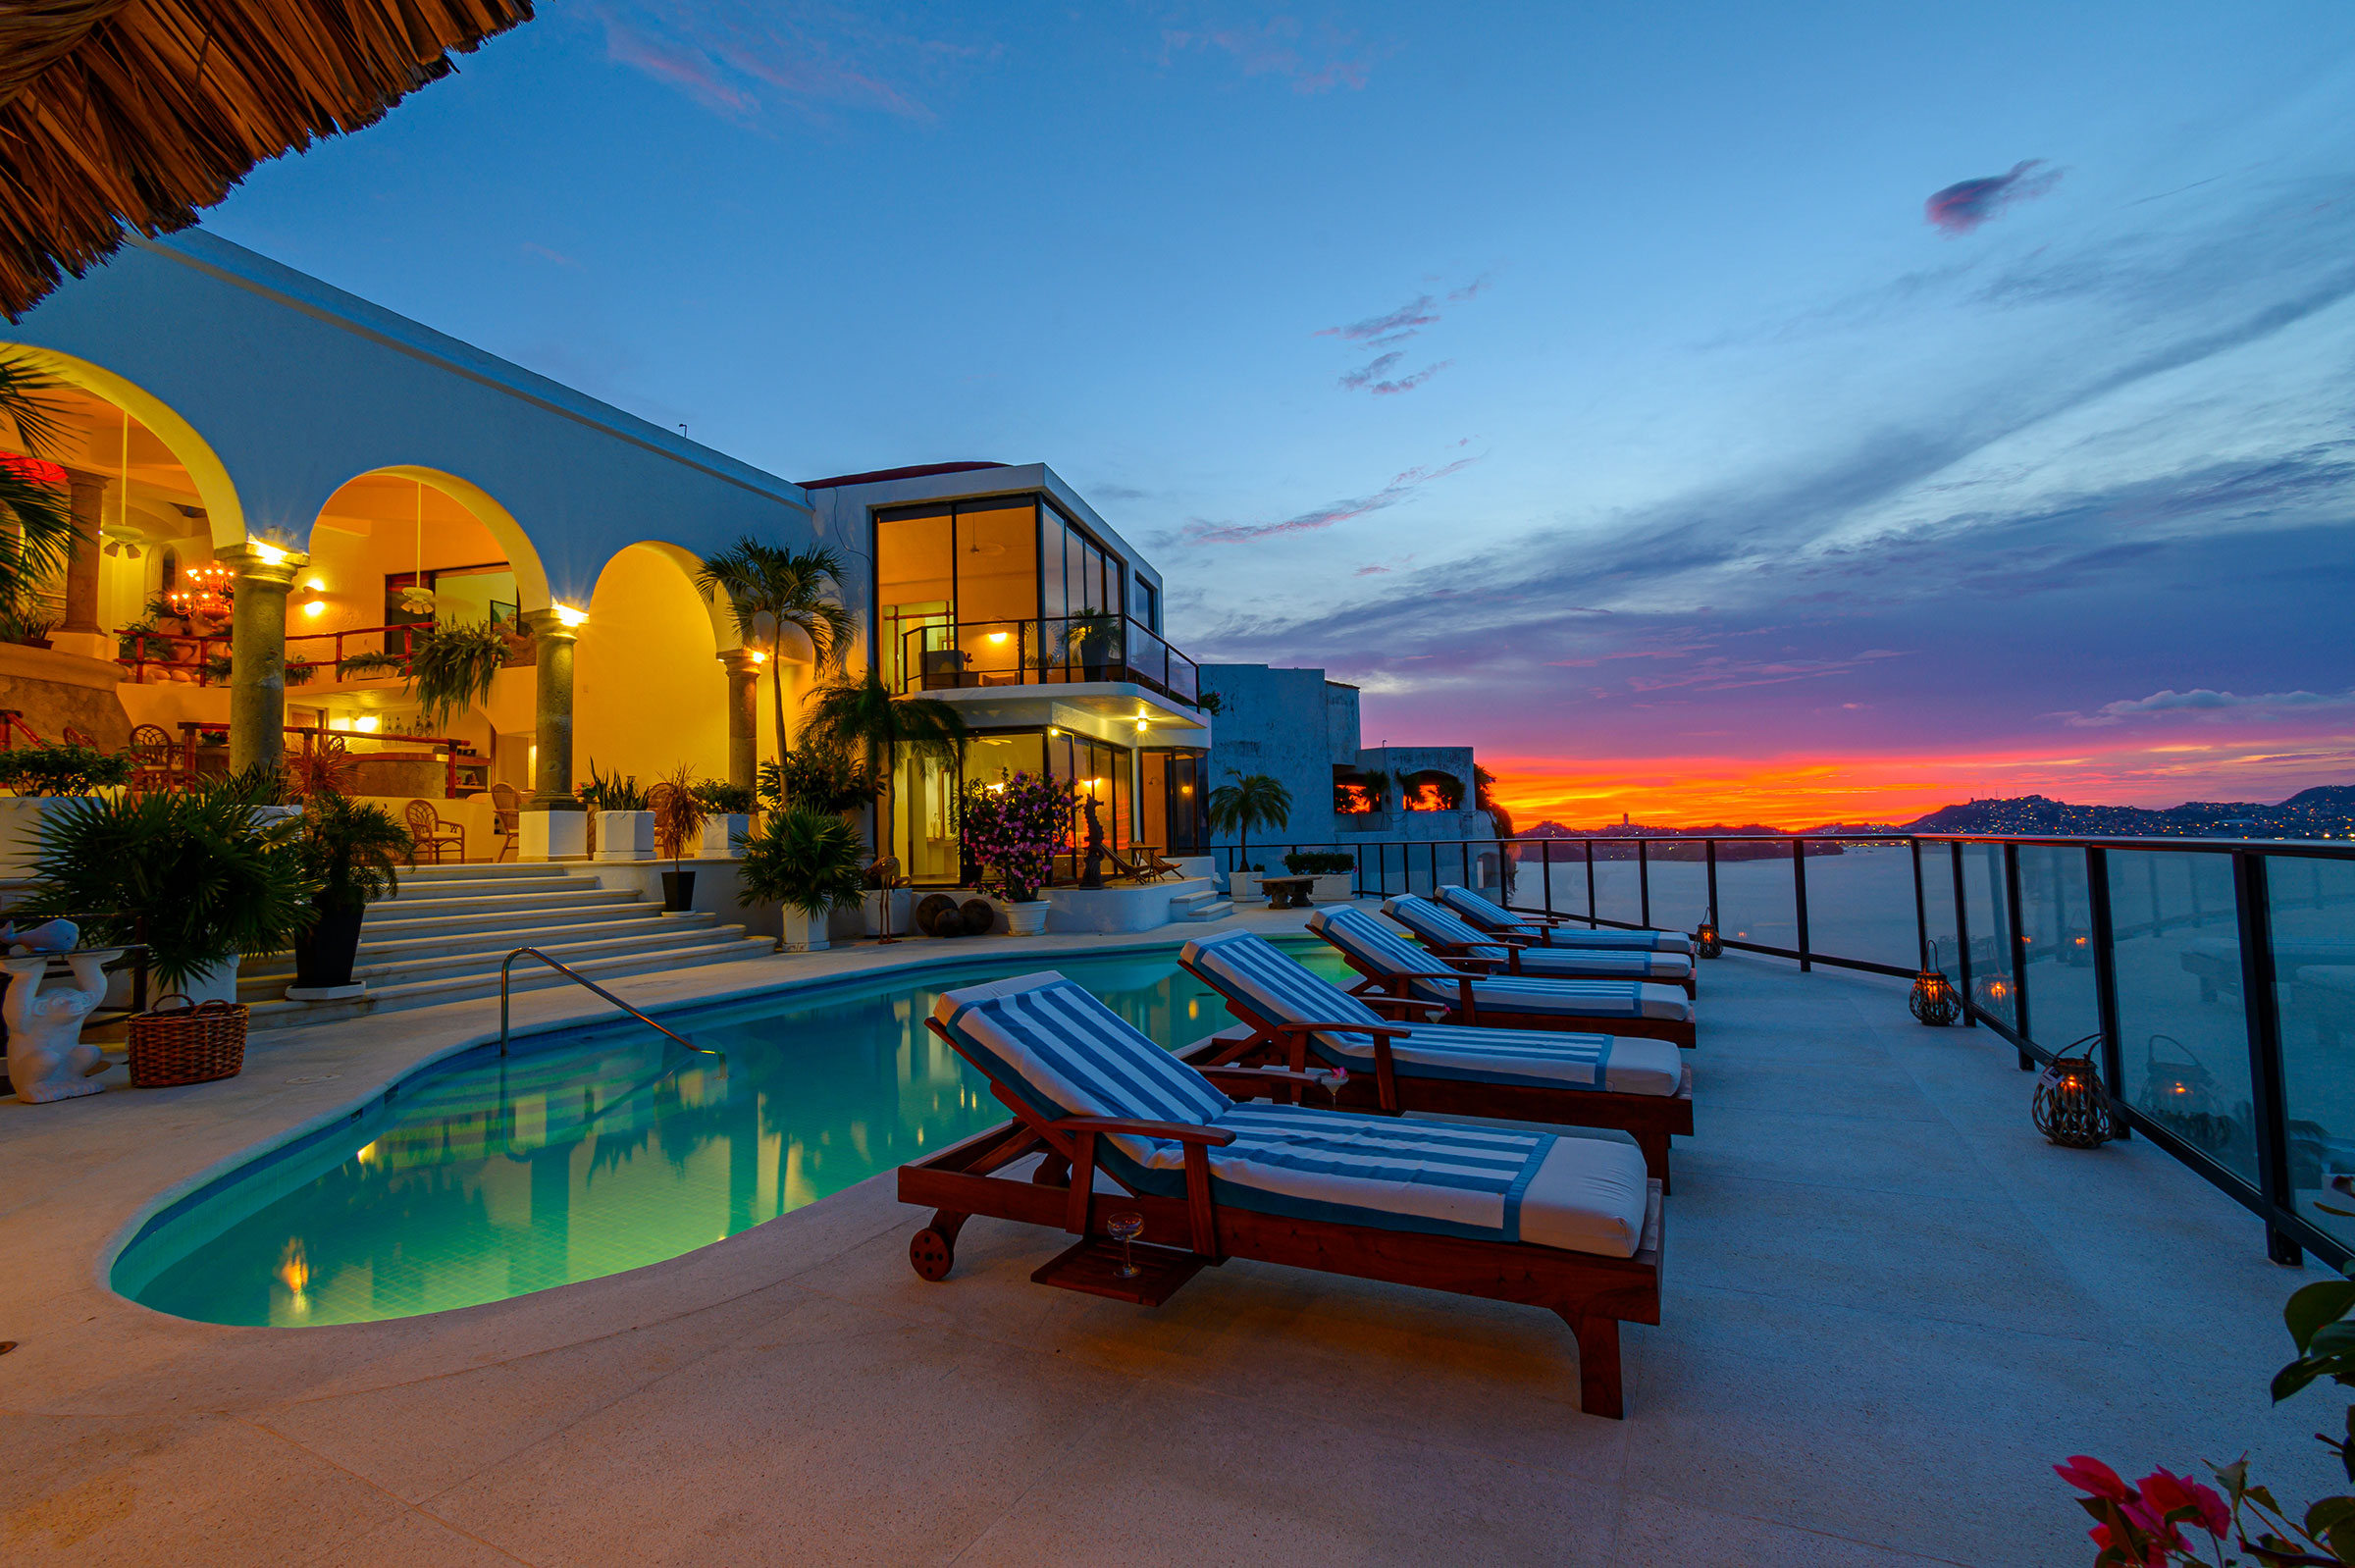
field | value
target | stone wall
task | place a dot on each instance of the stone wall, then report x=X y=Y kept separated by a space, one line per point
x=53 y=689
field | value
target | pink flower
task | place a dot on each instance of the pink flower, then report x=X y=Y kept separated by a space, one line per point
x=2093 y=1478
x=2168 y=1494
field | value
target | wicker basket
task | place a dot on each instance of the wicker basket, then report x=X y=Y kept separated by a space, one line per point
x=191 y=1043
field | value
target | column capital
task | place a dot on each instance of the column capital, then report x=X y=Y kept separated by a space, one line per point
x=84 y=479
x=555 y=622
x=743 y=660
x=263 y=565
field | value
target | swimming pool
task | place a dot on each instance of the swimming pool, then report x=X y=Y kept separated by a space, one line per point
x=602 y=1149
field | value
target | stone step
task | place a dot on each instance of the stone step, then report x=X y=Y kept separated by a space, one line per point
x=415 y=915
x=394 y=931
x=270 y=982
x=1217 y=910
x=505 y=939
x=441 y=889
x=471 y=987
x=499 y=870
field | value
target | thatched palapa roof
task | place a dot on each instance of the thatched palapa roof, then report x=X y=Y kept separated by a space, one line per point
x=141 y=113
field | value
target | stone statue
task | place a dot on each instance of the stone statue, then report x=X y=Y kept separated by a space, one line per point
x=46 y=1057
x=1092 y=876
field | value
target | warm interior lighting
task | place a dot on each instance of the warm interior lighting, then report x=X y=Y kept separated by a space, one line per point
x=317 y=585
x=315 y=609
x=998 y=637
x=760 y=657
x=267 y=554
x=1141 y=726
x=566 y=615
x=366 y=723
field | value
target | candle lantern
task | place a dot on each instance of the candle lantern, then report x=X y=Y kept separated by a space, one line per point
x=2178 y=1092
x=1706 y=942
x=1992 y=992
x=1934 y=1000
x=2069 y=1107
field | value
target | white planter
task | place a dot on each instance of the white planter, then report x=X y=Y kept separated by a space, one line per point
x=219 y=983
x=903 y=911
x=625 y=835
x=1333 y=887
x=723 y=836
x=20 y=819
x=1025 y=919
x=805 y=934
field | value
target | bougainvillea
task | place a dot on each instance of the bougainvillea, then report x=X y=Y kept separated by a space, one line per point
x=1015 y=827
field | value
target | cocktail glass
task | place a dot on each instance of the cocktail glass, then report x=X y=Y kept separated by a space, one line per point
x=1125 y=1227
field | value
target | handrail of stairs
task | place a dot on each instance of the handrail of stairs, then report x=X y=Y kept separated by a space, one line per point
x=577 y=979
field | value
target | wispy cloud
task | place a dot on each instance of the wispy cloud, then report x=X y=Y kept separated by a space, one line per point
x=1400 y=488
x=740 y=58
x=2201 y=700
x=1388 y=331
x=1311 y=60
x=1396 y=327
x=1967 y=203
x=546 y=254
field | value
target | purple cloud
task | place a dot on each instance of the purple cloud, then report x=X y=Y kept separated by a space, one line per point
x=1396 y=326
x=1277 y=48
x=738 y=57
x=1961 y=207
x=1399 y=488
x=1407 y=383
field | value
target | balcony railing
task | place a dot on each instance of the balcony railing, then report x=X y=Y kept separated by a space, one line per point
x=1054 y=651
x=153 y=658
x=2216 y=976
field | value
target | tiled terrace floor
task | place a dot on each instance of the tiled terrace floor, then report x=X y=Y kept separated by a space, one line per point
x=1888 y=1308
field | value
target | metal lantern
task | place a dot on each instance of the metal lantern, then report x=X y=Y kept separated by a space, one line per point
x=1934 y=1000
x=1706 y=941
x=1993 y=992
x=2179 y=1093
x=2069 y=1107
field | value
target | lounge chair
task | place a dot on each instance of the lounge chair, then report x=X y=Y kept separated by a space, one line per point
x=1554 y=930
x=1391 y=964
x=1570 y=1225
x=1438 y=928
x=1634 y=1084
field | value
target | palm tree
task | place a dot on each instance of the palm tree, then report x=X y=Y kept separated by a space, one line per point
x=862 y=716
x=788 y=588
x=44 y=520
x=1259 y=801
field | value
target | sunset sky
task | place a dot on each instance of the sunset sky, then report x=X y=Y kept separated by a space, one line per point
x=1775 y=412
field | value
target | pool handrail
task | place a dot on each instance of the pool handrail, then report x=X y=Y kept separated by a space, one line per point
x=577 y=979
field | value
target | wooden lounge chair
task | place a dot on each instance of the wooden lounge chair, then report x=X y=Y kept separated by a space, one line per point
x=1437 y=930
x=1394 y=964
x=431 y=834
x=1554 y=930
x=1633 y=1083
x=506 y=818
x=1147 y=863
x=1571 y=1224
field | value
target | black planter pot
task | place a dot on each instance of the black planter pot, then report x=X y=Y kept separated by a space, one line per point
x=323 y=955
x=679 y=892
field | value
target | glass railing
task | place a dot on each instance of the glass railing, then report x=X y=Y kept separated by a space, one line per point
x=2216 y=976
x=1054 y=651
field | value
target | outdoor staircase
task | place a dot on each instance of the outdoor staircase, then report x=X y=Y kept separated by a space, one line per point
x=1203 y=904
x=445 y=936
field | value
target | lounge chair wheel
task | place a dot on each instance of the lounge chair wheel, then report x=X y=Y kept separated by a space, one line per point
x=931 y=1254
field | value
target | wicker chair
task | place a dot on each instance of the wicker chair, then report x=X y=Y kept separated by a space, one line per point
x=155 y=759
x=430 y=832
x=506 y=818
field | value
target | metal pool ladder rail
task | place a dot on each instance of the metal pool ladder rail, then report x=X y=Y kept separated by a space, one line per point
x=580 y=979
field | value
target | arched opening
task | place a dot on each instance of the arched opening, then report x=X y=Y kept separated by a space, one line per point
x=1430 y=790
x=650 y=692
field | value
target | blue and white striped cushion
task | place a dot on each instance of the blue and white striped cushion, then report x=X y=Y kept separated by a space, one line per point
x=1441 y=928
x=1254 y=970
x=1364 y=939
x=1491 y=916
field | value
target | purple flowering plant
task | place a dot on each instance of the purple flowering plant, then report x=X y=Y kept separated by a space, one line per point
x=1015 y=827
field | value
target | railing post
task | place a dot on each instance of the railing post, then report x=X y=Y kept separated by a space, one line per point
x=1465 y=846
x=1592 y=920
x=1643 y=882
x=1711 y=853
x=1921 y=908
x=1799 y=900
x=2104 y=937
x=2262 y=1009
x=1545 y=871
x=1970 y=1016
x=2020 y=955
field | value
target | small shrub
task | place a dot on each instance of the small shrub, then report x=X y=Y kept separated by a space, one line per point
x=726 y=799
x=58 y=771
x=1320 y=862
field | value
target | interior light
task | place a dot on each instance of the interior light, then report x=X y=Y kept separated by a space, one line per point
x=997 y=637
x=317 y=585
x=366 y=723
x=1141 y=726
x=566 y=615
x=760 y=657
x=318 y=607
x=339 y=723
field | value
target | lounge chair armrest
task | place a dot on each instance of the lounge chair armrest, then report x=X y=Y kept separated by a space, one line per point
x=1412 y=1004
x=1262 y=1076
x=1347 y=1027
x=1434 y=974
x=1179 y=1132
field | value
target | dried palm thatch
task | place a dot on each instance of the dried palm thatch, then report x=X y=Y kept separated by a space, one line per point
x=143 y=112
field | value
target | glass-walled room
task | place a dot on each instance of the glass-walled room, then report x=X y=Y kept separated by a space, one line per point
x=1172 y=808
x=1161 y=788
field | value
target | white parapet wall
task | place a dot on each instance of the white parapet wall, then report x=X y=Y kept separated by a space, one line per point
x=1137 y=906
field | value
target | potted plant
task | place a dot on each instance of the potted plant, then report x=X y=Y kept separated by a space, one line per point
x=189 y=873
x=349 y=850
x=1334 y=871
x=811 y=863
x=727 y=817
x=679 y=815
x=1259 y=801
x=624 y=827
x=1013 y=828
x=1093 y=642
x=45 y=781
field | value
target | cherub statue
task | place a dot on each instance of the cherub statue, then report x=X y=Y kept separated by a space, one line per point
x=46 y=1057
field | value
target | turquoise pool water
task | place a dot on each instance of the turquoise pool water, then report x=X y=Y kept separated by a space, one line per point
x=599 y=1150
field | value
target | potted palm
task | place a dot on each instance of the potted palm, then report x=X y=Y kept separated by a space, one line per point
x=45 y=781
x=624 y=825
x=1014 y=827
x=189 y=873
x=678 y=812
x=349 y=850
x=811 y=863
x=1257 y=802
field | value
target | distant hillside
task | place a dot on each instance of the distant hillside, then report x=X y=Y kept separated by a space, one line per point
x=2326 y=810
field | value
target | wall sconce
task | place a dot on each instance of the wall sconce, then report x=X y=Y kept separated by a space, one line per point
x=998 y=637
x=316 y=584
x=315 y=609
x=2069 y=1107
x=758 y=657
x=366 y=723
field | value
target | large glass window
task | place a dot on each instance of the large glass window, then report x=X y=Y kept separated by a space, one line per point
x=1171 y=802
x=957 y=594
x=915 y=592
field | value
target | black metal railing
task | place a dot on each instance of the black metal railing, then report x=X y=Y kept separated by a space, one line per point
x=2216 y=974
x=1054 y=651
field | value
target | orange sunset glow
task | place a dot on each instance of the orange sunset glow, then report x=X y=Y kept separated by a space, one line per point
x=1808 y=792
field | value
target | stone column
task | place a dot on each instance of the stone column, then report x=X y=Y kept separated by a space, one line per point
x=81 y=633
x=553 y=825
x=257 y=652
x=744 y=716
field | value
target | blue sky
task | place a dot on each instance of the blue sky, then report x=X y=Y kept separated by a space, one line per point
x=1600 y=386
